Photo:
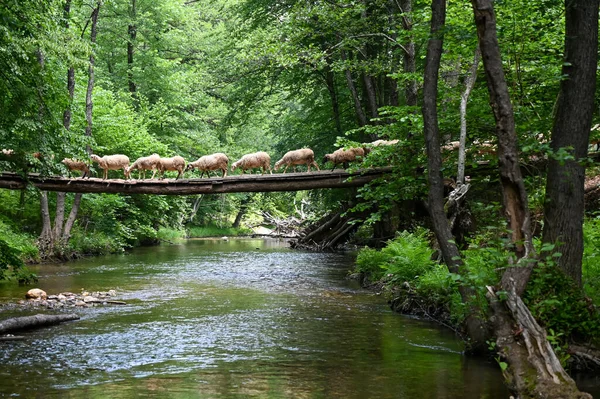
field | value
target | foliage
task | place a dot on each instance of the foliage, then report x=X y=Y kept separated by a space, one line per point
x=591 y=259
x=404 y=258
x=559 y=305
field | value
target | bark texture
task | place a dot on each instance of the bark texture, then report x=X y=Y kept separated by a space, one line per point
x=572 y=124
x=38 y=320
x=474 y=325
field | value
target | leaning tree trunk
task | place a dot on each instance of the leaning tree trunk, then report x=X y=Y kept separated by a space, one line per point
x=572 y=123
x=474 y=324
x=360 y=113
x=532 y=370
x=464 y=98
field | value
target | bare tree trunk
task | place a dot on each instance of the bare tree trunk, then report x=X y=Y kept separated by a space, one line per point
x=513 y=188
x=71 y=219
x=409 y=65
x=531 y=373
x=572 y=124
x=474 y=325
x=38 y=320
x=59 y=217
x=132 y=31
x=371 y=95
x=335 y=104
x=70 y=75
x=360 y=113
x=464 y=98
x=45 y=240
x=90 y=87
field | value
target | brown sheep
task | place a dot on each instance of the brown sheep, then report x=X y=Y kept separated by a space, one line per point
x=142 y=165
x=175 y=163
x=344 y=157
x=111 y=162
x=305 y=156
x=255 y=160
x=217 y=161
x=73 y=164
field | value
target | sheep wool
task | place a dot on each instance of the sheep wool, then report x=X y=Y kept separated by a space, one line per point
x=111 y=162
x=255 y=160
x=143 y=164
x=305 y=156
x=173 y=164
x=342 y=156
x=73 y=164
x=217 y=161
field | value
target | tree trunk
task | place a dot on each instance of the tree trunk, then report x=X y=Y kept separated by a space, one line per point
x=532 y=371
x=371 y=95
x=45 y=240
x=572 y=124
x=409 y=66
x=241 y=212
x=474 y=325
x=132 y=32
x=464 y=98
x=38 y=320
x=70 y=75
x=360 y=113
x=90 y=87
x=59 y=217
x=71 y=219
x=335 y=104
x=513 y=188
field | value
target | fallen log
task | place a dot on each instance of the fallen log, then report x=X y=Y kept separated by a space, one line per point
x=38 y=320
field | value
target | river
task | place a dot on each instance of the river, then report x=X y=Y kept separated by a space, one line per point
x=233 y=319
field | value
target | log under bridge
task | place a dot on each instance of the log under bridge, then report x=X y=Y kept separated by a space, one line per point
x=231 y=184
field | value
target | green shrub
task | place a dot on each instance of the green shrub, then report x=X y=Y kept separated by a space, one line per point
x=559 y=305
x=404 y=258
x=591 y=259
x=21 y=242
x=169 y=234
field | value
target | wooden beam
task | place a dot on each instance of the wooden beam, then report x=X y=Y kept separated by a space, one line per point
x=231 y=184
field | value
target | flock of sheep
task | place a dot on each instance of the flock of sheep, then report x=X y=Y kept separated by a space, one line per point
x=218 y=161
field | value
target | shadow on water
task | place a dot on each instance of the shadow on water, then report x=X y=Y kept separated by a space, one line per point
x=234 y=319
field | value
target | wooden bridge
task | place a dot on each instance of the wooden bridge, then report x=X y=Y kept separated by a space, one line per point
x=231 y=184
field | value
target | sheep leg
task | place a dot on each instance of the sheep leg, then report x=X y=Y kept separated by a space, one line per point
x=224 y=172
x=284 y=169
x=315 y=165
x=178 y=174
x=153 y=173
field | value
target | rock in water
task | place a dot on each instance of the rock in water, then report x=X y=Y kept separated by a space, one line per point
x=36 y=293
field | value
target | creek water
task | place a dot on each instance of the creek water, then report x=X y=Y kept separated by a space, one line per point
x=233 y=319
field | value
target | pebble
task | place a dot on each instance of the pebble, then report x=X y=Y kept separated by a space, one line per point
x=68 y=299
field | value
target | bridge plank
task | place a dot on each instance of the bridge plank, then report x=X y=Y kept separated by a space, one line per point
x=231 y=184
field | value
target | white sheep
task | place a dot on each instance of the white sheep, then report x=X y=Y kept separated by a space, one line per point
x=111 y=162
x=368 y=147
x=143 y=164
x=305 y=156
x=255 y=160
x=342 y=156
x=175 y=163
x=217 y=161
x=73 y=164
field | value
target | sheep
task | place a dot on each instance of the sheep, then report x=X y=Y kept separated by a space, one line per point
x=143 y=164
x=305 y=156
x=368 y=147
x=217 y=161
x=175 y=163
x=111 y=162
x=344 y=156
x=73 y=164
x=256 y=160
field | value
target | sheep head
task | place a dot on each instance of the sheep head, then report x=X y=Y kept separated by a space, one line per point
x=95 y=158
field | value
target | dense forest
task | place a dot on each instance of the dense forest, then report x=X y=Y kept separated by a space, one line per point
x=490 y=103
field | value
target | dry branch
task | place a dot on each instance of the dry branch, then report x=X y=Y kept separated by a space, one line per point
x=38 y=320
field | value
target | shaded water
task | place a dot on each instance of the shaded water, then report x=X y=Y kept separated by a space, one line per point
x=234 y=319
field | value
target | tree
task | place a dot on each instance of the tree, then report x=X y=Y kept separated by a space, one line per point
x=563 y=209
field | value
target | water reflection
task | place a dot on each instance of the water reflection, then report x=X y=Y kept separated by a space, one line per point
x=235 y=319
